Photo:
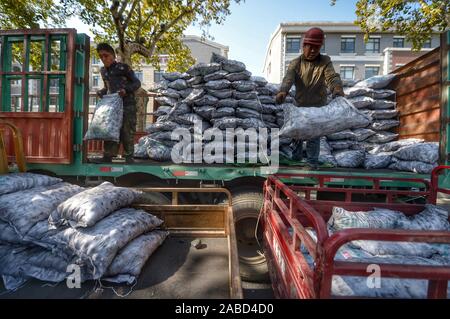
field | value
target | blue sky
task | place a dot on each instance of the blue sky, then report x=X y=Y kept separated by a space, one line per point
x=248 y=29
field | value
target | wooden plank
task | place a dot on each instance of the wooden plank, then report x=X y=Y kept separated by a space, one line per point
x=36 y=31
x=10 y=116
x=429 y=137
x=422 y=62
x=419 y=80
x=420 y=128
x=233 y=258
x=69 y=95
x=418 y=97
x=85 y=107
x=420 y=100
x=190 y=216
x=41 y=138
x=195 y=220
x=424 y=117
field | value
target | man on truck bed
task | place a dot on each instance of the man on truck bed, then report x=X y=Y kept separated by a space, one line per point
x=311 y=73
x=119 y=78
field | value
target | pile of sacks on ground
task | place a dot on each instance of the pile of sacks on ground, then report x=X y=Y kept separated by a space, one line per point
x=223 y=94
x=432 y=218
x=47 y=227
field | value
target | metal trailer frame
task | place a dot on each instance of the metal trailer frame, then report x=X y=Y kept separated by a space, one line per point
x=284 y=209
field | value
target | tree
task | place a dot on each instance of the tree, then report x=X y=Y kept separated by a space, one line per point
x=30 y=13
x=142 y=29
x=148 y=28
x=416 y=19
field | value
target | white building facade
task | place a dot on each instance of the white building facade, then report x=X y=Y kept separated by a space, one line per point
x=353 y=58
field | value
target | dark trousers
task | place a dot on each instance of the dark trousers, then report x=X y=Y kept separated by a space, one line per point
x=312 y=150
x=126 y=134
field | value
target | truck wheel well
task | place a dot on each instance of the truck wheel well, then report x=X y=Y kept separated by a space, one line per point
x=134 y=179
x=238 y=184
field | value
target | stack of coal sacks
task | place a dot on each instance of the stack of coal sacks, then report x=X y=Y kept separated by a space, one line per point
x=221 y=94
x=377 y=146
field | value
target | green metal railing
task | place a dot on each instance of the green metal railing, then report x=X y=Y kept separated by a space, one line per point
x=33 y=73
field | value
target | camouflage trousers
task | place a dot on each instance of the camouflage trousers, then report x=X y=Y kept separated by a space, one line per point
x=126 y=134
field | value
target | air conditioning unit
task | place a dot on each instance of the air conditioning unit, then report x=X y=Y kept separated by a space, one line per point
x=95 y=69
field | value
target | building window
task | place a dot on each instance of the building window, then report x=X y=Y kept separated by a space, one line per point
x=427 y=44
x=373 y=45
x=347 y=72
x=163 y=60
x=95 y=60
x=158 y=76
x=371 y=71
x=322 y=49
x=139 y=75
x=347 y=45
x=293 y=45
x=399 y=42
x=95 y=80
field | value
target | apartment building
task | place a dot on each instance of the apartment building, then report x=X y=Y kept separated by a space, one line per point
x=353 y=58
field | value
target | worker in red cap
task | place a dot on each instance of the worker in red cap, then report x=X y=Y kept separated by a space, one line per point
x=312 y=73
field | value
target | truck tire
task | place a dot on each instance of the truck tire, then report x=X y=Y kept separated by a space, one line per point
x=247 y=204
x=153 y=198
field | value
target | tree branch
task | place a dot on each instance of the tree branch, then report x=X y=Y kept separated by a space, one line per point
x=124 y=6
x=138 y=48
x=117 y=24
x=133 y=6
x=138 y=31
x=141 y=25
x=113 y=8
x=167 y=27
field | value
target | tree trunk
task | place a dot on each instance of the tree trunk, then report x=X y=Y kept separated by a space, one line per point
x=141 y=100
x=141 y=107
x=124 y=55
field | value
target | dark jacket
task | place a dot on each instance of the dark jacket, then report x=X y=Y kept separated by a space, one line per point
x=120 y=76
x=311 y=79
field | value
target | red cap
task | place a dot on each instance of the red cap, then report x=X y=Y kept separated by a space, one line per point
x=314 y=36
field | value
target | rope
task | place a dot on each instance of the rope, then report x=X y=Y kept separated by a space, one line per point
x=115 y=292
x=256 y=229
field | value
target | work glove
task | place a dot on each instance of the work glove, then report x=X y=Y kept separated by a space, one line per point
x=281 y=96
x=338 y=91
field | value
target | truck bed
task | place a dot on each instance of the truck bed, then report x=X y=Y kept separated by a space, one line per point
x=306 y=269
x=175 y=270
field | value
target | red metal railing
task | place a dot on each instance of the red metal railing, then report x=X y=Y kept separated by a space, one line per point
x=285 y=219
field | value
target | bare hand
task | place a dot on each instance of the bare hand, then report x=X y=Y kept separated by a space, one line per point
x=281 y=96
x=122 y=92
x=338 y=91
